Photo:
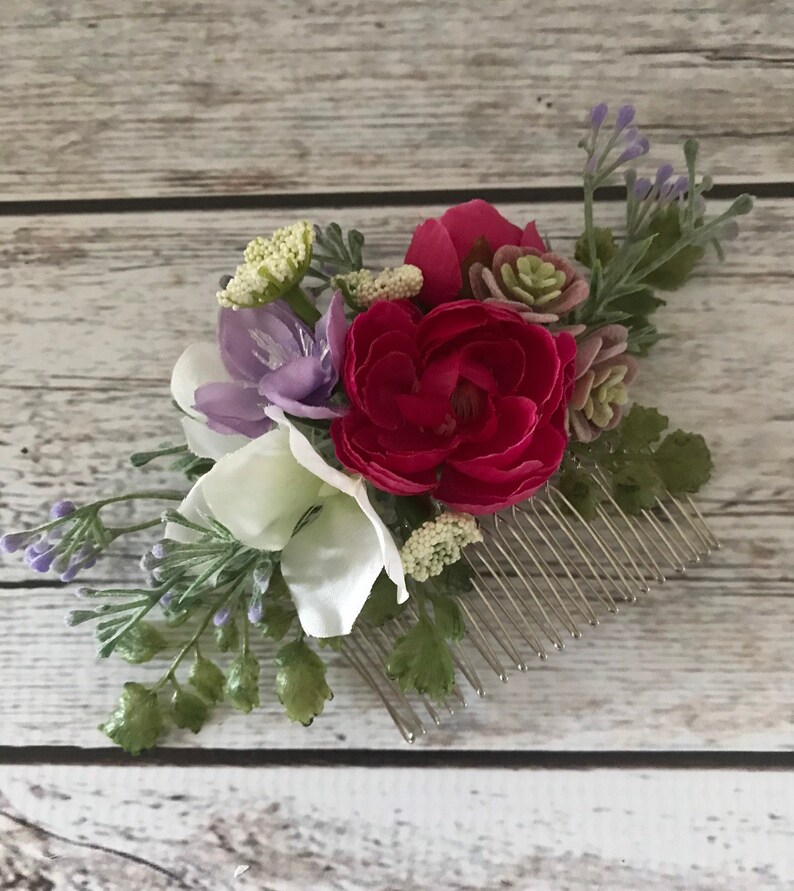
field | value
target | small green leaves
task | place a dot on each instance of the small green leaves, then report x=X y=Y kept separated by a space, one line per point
x=447 y=617
x=137 y=722
x=207 y=678
x=666 y=225
x=140 y=644
x=300 y=682
x=242 y=682
x=684 y=462
x=227 y=636
x=641 y=427
x=636 y=486
x=581 y=490
x=277 y=618
x=605 y=244
x=188 y=710
x=381 y=605
x=421 y=661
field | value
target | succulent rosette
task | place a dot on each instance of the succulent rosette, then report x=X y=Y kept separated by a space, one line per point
x=350 y=428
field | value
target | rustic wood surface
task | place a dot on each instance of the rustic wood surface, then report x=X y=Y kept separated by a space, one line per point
x=289 y=102
x=346 y=829
x=176 y=98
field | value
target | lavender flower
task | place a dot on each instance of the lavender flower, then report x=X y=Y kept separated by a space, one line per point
x=62 y=509
x=273 y=358
x=222 y=617
x=624 y=117
x=598 y=115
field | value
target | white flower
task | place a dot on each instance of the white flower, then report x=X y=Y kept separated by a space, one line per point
x=201 y=364
x=438 y=543
x=261 y=491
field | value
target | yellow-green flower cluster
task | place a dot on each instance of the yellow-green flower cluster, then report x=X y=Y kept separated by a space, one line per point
x=438 y=543
x=272 y=267
x=399 y=283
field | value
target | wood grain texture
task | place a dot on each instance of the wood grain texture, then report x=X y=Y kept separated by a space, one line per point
x=331 y=830
x=80 y=388
x=173 y=98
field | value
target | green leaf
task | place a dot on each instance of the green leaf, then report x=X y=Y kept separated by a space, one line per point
x=227 y=637
x=683 y=461
x=207 y=678
x=641 y=427
x=137 y=722
x=636 y=485
x=421 y=661
x=277 y=618
x=140 y=644
x=454 y=579
x=606 y=247
x=447 y=618
x=300 y=682
x=640 y=303
x=242 y=682
x=381 y=605
x=188 y=710
x=581 y=490
x=666 y=225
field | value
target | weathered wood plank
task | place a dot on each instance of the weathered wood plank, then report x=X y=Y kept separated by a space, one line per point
x=177 y=99
x=80 y=387
x=346 y=828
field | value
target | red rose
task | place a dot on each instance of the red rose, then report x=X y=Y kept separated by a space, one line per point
x=467 y=403
x=440 y=247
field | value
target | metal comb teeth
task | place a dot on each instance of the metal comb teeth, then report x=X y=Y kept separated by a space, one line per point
x=541 y=574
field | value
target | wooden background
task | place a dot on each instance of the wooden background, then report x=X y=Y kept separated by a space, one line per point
x=143 y=144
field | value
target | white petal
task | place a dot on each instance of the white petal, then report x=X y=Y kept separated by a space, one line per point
x=305 y=454
x=330 y=567
x=260 y=492
x=193 y=508
x=208 y=443
x=199 y=364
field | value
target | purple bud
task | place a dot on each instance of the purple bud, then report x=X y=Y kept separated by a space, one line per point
x=31 y=553
x=680 y=187
x=166 y=598
x=158 y=549
x=40 y=546
x=55 y=534
x=631 y=134
x=591 y=165
x=663 y=174
x=598 y=115
x=90 y=563
x=42 y=562
x=222 y=617
x=70 y=573
x=624 y=117
x=13 y=541
x=61 y=509
x=255 y=612
x=148 y=562
x=641 y=188
x=632 y=151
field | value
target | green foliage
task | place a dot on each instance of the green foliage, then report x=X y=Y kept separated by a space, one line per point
x=188 y=710
x=300 y=682
x=641 y=467
x=227 y=637
x=421 y=661
x=278 y=618
x=447 y=617
x=381 y=605
x=207 y=678
x=454 y=579
x=605 y=245
x=684 y=462
x=665 y=225
x=242 y=682
x=581 y=490
x=335 y=254
x=140 y=644
x=137 y=722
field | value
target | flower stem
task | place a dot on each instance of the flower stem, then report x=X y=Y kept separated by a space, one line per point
x=300 y=304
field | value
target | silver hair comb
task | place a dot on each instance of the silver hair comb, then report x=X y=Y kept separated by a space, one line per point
x=540 y=575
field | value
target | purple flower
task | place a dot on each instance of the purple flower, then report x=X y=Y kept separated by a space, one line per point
x=624 y=117
x=273 y=358
x=61 y=509
x=598 y=114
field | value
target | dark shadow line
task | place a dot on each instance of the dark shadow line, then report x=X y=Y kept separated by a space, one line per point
x=317 y=200
x=399 y=758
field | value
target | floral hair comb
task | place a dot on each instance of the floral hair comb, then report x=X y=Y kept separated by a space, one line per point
x=430 y=469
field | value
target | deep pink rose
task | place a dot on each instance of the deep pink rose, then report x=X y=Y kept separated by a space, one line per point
x=439 y=247
x=466 y=403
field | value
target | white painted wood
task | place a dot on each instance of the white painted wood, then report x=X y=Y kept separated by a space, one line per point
x=81 y=386
x=346 y=828
x=178 y=98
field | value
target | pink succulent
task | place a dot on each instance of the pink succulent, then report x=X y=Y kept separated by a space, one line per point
x=603 y=370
